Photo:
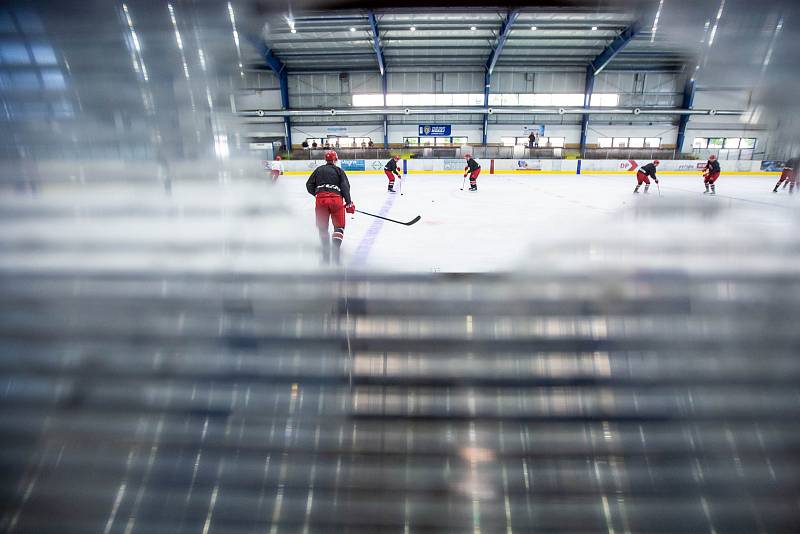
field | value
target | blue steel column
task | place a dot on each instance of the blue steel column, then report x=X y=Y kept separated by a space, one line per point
x=491 y=61
x=277 y=67
x=587 y=100
x=385 y=117
x=283 y=79
x=688 y=102
x=487 y=82
x=597 y=65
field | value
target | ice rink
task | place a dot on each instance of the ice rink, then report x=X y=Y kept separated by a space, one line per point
x=249 y=225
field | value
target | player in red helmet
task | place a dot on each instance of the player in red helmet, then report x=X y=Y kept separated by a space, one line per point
x=473 y=169
x=644 y=174
x=277 y=168
x=710 y=174
x=329 y=184
x=390 y=169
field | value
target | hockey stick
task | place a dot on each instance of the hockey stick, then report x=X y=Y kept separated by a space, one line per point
x=658 y=186
x=463 y=182
x=409 y=223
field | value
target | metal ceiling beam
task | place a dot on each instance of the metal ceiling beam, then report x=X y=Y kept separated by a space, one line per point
x=597 y=65
x=376 y=44
x=505 y=30
x=502 y=37
x=478 y=110
x=615 y=47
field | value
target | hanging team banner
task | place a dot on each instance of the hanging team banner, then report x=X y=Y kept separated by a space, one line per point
x=434 y=130
x=539 y=129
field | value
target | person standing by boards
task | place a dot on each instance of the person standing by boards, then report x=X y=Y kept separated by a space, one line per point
x=329 y=184
x=710 y=174
x=473 y=169
x=276 y=169
x=644 y=174
x=390 y=170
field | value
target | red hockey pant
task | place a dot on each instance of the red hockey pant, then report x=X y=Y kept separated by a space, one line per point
x=473 y=177
x=642 y=178
x=330 y=206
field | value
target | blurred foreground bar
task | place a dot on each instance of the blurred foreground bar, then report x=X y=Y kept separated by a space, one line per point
x=146 y=402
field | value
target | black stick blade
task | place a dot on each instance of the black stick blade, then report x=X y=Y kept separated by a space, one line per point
x=414 y=220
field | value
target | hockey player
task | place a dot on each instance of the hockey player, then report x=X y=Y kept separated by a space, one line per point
x=788 y=175
x=473 y=169
x=276 y=169
x=710 y=174
x=390 y=169
x=644 y=174
x=329 y=184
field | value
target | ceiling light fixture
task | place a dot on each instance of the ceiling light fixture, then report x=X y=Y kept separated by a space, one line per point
x=473 y=28
x=594 y=28
x=352 y=29
x=413 y=28
x=533 y=28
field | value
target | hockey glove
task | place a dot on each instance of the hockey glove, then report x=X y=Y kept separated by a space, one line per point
x=350 y=208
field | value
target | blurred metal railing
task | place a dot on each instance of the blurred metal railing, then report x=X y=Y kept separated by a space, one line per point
x=597 y=392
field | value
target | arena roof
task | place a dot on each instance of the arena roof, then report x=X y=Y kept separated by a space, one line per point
x=438 y=37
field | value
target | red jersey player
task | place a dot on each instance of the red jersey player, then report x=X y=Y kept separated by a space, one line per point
x=788 y=175
x=390 y=169
x=710 y=174
x=329 y=184
x=644 y=174
x=474 y=170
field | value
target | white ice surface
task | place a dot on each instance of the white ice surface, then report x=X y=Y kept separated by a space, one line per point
x=251 y=226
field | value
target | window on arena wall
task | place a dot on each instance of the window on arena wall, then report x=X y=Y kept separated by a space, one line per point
x=652 y=142
x=731 y=142
x=728 y=143
x=748 y=142
x=554 y=142
x=636 y=142
x=629 y=142
x=368 y=100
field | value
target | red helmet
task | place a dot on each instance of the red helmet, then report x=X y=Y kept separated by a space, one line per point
x=467 y=155
x=331 y=156
x=277 y=158
x=397 y=157
x=712 y=157
x=656 y=162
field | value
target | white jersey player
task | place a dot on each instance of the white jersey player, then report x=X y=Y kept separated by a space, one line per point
x=276 y=168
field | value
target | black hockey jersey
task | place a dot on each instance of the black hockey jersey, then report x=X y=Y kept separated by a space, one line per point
x=472 y=165
x=391 y=166
x=648 y=170
x=712 y=166
x=329 y=178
